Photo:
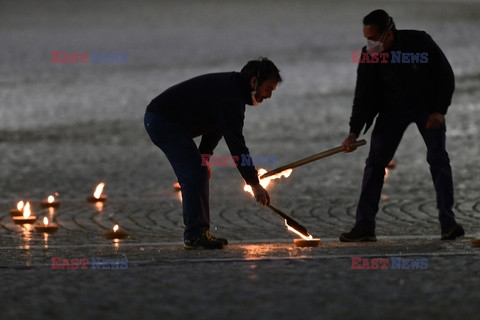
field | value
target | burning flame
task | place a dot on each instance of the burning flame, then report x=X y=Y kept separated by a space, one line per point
x=45 y=221
x=295 y=231
x=50 y=199
x=20 y=205
x=115 y=228
x=266 y=181
x=99 y=190
x=26 y=210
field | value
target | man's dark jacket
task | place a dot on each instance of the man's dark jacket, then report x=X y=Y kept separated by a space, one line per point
x=211 y=105
x=381 y=87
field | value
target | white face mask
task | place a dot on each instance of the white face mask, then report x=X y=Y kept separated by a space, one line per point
x=374 y=46
x=377 y=46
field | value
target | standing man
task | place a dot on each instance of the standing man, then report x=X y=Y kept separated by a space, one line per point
x=403 y=77
x=210 y=105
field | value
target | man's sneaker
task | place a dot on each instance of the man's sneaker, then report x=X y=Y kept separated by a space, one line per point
x=222 y=240
x=453 y=233
x=204 y=241
x=356 y=235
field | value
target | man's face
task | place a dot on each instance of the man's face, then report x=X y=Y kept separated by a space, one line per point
x=265 y=90
x=371 y=32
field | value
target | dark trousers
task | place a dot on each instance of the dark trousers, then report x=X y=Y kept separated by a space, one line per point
x=182 y=153
x=386 y=136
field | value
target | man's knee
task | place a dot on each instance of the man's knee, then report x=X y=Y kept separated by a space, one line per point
x=377 y=162
x=438 y=158
x=195 y=174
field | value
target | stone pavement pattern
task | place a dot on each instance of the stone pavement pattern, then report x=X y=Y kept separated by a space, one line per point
x=65 y=128
x=261 y=274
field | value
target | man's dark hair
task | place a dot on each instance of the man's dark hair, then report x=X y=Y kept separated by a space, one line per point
x=381 y=19
x=262 y=68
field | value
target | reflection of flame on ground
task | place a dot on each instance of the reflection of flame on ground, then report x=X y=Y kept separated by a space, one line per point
x=256 y=251
x=99 y=206
x=45 y=240
x=266 y=181
x=116 y=244
x=27 y=235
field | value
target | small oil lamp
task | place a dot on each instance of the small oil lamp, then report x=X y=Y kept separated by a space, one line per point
x=27 y=216
x=116 y=233
x=46 y=226
x=19 y=210
x=50 y=202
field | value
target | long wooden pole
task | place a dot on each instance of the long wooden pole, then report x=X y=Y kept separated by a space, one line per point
x=315 y=157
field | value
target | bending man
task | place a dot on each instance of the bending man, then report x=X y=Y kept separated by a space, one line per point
x=210 y=105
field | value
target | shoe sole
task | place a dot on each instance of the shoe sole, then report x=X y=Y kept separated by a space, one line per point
x=458 y=233
x=189 y=247
x=362 y=239
x=223 y=241
x=452 y=238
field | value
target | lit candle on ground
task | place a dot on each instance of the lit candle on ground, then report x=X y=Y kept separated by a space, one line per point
x=50 y=202
x=19 y=210
x=26 y=217
x=97 y=195
x=45 y=226
x=116 y=233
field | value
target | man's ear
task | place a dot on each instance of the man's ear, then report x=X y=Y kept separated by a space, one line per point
x=253 y=82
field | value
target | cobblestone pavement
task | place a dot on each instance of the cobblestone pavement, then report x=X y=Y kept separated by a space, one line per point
x=64 y=128
x=261 y=274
